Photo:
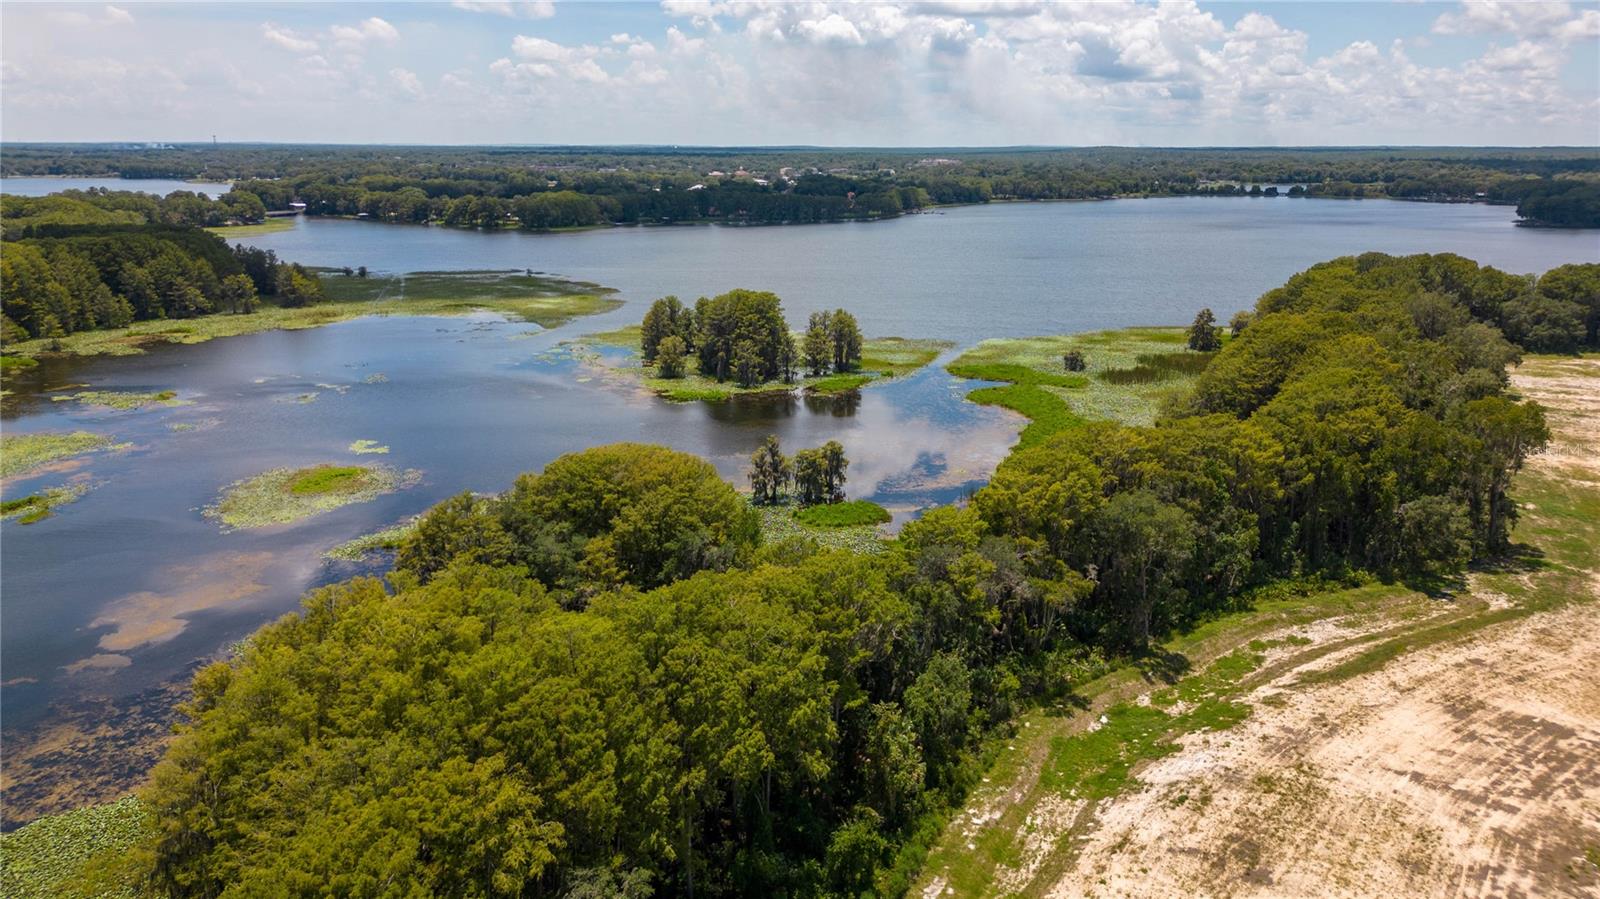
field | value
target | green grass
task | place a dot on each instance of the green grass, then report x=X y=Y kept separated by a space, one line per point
x=1131 y=373
x=285 y=495
x=270 y=226
x=328 y=479
x=843 y=515
x=39 y=506
x=123 y=399
x=21 y=453
x=16 y=363
x=831 y=384
x=779 y=523
x=547 y=302
x=893 y=357
x=52 y=857
x=386 y=540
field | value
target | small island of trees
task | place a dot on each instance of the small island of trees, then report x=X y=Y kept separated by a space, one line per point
x=742 y=336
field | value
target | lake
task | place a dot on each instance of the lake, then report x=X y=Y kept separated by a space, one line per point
x=38 y=187
x=121 y=591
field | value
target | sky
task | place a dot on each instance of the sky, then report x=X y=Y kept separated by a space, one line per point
x=718 y=73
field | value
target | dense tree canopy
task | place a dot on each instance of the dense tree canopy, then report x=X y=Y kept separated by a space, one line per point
x=68 y=278
x=599 y=684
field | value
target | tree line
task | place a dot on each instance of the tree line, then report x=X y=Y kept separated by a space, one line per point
x=100 y=206
x=603 y=683
x=551 y=188
x=68 y=278
x=742 y=335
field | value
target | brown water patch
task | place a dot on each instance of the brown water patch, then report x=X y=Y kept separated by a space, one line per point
x=88 y=752
x=152 y=617
x=99 y=662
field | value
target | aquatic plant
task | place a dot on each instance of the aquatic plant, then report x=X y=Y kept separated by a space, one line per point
x=38 y=506
x=367 y=447
x=285 y=495
x=841 y=515
x=386 y=540
x=123 y=399
x=21 y=453
x=49 y=857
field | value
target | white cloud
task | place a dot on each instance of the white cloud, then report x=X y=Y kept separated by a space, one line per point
x=1515 y=17
x=109 y=15
x=535 y=9
x=287 y=39
x=371 y=29
x=407 y=81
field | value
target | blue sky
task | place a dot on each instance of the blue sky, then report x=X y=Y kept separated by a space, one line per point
x=912 y=73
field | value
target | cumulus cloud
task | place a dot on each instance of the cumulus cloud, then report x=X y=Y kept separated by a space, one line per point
x=407 y=81
x=288 y=40
x=371 y=29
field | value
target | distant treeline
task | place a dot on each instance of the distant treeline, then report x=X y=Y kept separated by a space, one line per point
x=602 y=683
x=99 y=206
x=549 y=188
x=61 y=279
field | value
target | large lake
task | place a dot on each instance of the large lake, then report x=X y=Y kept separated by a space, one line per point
x=125 y=588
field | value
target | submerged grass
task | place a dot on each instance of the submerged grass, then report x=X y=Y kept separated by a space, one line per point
x=123 y=399
x=52 y=857
x=285 y=495
x=547 y=302
x=21 y=453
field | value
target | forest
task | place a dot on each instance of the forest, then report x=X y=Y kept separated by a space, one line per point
x=602 y=683
x=742 y=334
x=555 y=188
x=61 y=279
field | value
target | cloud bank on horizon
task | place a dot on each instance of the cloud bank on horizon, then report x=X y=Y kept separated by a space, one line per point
x=715 y=72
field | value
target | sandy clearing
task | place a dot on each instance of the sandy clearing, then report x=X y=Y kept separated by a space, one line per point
x=1466 y=770
x=1470 y=768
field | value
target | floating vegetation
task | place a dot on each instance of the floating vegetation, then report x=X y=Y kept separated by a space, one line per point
x=285 y=495
x=367 y=447
x=376 y=378
x=123 y=399
x=843 y=515
x=38 y=506
x=340 y=389
x=182 y=426
x=21 y=453
x=16 y=363
x=386 y=540
x=779 y=523
x=305 y=398
x=51 y=856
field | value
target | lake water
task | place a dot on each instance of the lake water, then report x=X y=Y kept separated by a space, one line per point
x=38 y=187
x=125 y=588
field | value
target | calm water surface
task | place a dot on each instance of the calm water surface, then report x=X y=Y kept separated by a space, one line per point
x=127 y=586
x=38 y=187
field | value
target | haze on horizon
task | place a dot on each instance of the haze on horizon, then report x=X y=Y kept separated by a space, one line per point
x=936 y=73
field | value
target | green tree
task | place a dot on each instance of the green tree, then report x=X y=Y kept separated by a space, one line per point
x=239 y=294
x=845 y=339
x=460 y=528
x=1143 y=544
x=669 y=357
x=667 y=317
x=1203 y=335
x=770 y=473
x=817 y=347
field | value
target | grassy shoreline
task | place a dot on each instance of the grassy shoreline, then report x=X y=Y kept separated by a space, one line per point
x=1131 y=373
x=547 y=302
